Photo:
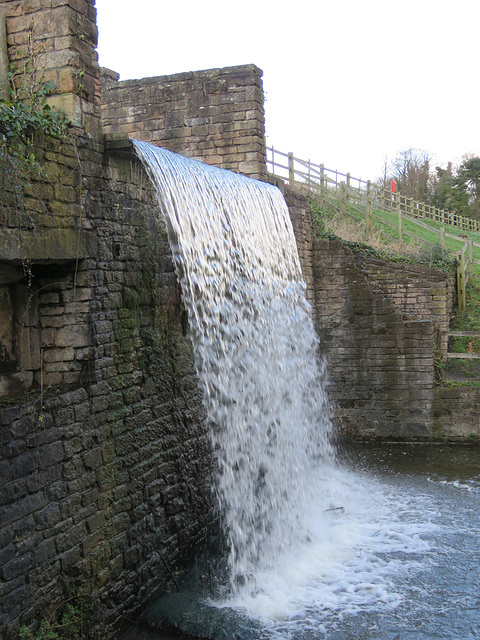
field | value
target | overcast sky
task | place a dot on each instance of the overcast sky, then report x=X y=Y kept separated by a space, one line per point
x=347 y=83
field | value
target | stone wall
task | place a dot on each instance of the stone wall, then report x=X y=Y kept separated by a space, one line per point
x=379 y=325
x=105 y=465
x=424 y=293
x=42 y=245
x=299 y=211
x=216 y=116
x=58 y=39
x=456 y=414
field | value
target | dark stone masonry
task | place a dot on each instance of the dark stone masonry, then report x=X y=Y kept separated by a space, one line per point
x=106 y=466
x=105 y=460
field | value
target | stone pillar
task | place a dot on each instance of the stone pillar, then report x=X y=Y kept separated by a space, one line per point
x=56 y=42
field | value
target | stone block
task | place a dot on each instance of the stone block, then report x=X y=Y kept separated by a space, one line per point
x=16 y=567
x=73 y=336
x=59 y=355
x=48 y=517
x=23 y=464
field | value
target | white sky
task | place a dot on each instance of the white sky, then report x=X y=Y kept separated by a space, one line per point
x=347 y=82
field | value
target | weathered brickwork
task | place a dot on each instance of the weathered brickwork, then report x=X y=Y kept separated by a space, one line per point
x=299 y=210
x=456 y=414
x=106 y=467
x=379 y=325
x=58 y=39
x=425 y=293
x=216 y=116
x=302 y=227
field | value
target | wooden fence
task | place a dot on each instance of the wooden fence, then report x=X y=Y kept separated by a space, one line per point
x=295 y=170
x=365 y=197
x=463 y=334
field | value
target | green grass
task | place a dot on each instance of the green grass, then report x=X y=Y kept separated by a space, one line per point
x=430 y=236
x=327 y=221
x=386 y=223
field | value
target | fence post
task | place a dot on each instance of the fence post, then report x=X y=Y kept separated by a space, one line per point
x=470 y=257
x=342 y=198
x=400 y=225
x=4 y=82
x=322 y=177
x=369 y=208
x=462 y=303
x=291 y=172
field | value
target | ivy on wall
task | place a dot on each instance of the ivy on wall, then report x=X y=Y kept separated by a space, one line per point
x=21 y=122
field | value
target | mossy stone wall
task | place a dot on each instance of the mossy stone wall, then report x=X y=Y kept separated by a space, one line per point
x=106 y=476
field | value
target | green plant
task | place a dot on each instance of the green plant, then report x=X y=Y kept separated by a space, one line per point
x=25 y=120
x=68 y=622
x=440 y=365
x=79 y=81
x=20 y=123
x=436 y=256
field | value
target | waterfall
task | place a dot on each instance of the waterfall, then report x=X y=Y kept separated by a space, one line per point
x=256 y=351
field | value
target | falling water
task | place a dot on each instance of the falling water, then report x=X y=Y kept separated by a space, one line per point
x=255 y=346
x=317 y=550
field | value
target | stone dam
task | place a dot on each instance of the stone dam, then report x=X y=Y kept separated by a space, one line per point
x=106 y=461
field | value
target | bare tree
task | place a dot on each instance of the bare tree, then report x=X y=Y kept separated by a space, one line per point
x=411 y=171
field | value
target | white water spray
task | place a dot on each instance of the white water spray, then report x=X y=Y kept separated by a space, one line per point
x=256 y=351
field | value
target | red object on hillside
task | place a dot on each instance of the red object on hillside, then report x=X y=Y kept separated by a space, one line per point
x=394 y=186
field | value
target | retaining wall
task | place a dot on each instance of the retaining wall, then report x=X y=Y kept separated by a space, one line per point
x=379 y=325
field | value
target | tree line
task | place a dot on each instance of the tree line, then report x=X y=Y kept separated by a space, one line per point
x=456 y=188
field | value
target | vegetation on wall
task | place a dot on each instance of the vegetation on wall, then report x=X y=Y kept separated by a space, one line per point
x=26 y=120
x=329 y=223
x=73 y=619
x=21 y=122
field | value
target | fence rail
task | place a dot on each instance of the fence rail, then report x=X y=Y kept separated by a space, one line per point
x=463 y=334
x=295 y=170
x=365 y=196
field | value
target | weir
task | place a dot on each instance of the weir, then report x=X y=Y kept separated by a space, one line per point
x=106 y=454
x=313 y=546
x=257 y=354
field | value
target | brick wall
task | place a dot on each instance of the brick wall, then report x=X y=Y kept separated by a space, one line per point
x=105 y=466
x=58 y=40
x=378 y=324
x=216 y=116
